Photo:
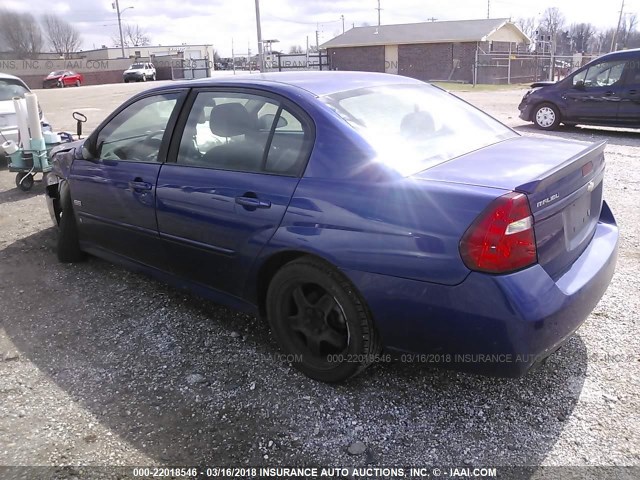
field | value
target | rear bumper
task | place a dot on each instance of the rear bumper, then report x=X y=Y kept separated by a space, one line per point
x=492 y=324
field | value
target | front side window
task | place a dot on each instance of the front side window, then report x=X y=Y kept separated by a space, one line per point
x=243 y=132
x=135 y=134
x=603 y=74
x=414 y=127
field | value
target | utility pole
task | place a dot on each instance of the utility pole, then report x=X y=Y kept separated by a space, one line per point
x=488 y=8
x=116 y=5
x=342 y=17
x=613 y=40
x=378 y=12
x=259 y=28
x=432 y=19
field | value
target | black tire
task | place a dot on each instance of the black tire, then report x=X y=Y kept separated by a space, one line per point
x=24 y=181
x=126 y=80
x=334 y=337
x=153 y=77
x=68 y=249
x=78 y=83
x=61 y=84
x=546 y=116
x=144 y=77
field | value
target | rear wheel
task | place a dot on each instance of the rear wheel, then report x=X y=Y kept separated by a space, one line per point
x=68 y=248
x=546 y=116
x=317 y=316
x=153 y=77
x=144 y=77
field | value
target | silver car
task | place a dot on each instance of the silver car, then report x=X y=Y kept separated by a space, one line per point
x=10 y=87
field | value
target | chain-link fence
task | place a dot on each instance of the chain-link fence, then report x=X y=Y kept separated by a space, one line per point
x=506 y=68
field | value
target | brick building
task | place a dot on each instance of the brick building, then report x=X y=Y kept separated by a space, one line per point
x=426 y=51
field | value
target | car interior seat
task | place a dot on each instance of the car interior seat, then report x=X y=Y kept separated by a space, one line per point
x=231 y=120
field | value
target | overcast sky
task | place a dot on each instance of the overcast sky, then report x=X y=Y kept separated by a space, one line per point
x=216 y=22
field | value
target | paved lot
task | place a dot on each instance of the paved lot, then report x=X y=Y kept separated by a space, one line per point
x=101 y=366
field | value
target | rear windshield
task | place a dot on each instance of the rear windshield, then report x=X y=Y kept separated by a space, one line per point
x=11 y=88
x=414 y=127
x=136 y=66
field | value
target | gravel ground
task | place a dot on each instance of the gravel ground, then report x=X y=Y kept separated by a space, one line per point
x=101 y=366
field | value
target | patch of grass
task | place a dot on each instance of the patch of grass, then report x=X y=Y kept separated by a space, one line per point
x=467 y=87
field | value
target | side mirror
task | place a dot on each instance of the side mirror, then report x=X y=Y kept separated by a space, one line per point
x=579 y=85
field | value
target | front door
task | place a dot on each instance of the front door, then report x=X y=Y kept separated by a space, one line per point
x=114 y=193
x=236 y=166
x=596 y=93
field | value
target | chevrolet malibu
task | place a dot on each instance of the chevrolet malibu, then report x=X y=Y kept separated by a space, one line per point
x=361 y=214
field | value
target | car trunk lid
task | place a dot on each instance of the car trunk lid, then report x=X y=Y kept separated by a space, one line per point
x=562 y=181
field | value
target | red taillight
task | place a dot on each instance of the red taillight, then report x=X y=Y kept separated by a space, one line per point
x=501 y=239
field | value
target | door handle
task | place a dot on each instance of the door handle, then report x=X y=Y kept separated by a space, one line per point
x=251 y=203
x=138 y=185
x=633 y=92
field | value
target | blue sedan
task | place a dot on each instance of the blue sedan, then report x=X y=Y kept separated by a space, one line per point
x=361 y=214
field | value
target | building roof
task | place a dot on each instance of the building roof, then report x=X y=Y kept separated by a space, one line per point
x=425 y=32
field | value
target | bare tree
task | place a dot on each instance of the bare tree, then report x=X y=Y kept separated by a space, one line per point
x=630 y=24
x=133 y=36
x=552 y=22
x=21 y=33
x=581 y=35
x=63 y=37
x=527 y=25
x=295 y=49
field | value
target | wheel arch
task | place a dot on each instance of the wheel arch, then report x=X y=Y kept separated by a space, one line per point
x=271 y=265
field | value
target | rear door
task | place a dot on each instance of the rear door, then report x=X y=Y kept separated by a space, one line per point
x=231 y=175
x=596 y=93
x=629 y=111
x=114 y=193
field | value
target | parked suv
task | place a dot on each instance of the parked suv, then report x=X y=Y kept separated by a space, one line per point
x=139 y=72
x=604 y=92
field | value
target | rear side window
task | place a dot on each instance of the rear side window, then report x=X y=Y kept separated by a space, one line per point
x=633 y=77
x=244 y=132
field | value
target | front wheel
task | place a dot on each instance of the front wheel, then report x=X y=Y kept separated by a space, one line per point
x=546 y=116
x=318 y=319
x=144 y=78
x=77 y=83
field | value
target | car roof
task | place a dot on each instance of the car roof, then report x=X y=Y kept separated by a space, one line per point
x=318 y=83
x=12 y=77
x=621 y=54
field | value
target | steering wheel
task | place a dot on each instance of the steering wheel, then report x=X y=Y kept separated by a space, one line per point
x=151 y=136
